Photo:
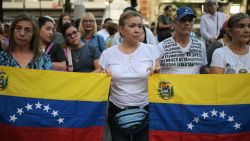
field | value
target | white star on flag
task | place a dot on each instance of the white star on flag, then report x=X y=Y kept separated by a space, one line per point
x=204 y=115
x=237 y=126
x=55 y=113
x=196 y=119
x=13 y=118
x=46 y=108
x=190 y=126
x=20 y=111
x=28 y=107
x=222 y=114
x=230 y=118
x=60 y=120
x=214 y=113
x=38 y=105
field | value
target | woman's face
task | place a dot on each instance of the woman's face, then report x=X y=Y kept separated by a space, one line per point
x=66 y=19
x=241 y=31
x=132 y=29
x=88 y=23
x=47 y=32
x=72 y=36
x=23 y=33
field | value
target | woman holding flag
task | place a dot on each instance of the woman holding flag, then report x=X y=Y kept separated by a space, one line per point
x=129 y=63
x=24 y=48
x=235 y=57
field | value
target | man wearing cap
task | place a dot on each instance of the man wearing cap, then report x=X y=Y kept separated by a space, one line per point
x=211 y=22
x=182 y=53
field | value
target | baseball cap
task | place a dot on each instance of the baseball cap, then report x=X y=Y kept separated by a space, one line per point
x=184 y=11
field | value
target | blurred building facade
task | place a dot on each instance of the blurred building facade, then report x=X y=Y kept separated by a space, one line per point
x=150 y=9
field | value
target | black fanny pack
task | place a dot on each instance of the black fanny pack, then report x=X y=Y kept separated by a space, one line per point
x=131 y=120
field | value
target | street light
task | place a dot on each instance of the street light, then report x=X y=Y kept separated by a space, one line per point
x=108 y=2
x=24 y=5
x=40 y=8
x=235 y=8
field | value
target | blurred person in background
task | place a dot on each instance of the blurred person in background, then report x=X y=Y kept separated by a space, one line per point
x=104 y=31
x=88 y=30
x=63 y=19
x=165 y=24
x=112 y=30
x=211 y=22
x=222 y=40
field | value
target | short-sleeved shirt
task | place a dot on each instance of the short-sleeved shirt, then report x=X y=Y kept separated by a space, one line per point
x=232 y=63
x=56 y=54
x=42 y=63
x=83 y=58
x=178 y=60
x=129 y=74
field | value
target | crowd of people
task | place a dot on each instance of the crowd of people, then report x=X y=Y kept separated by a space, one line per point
x=129 y=52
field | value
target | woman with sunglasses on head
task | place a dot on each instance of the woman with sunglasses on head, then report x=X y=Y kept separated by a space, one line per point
x=47 y=29
x=234 y=57
x=23 y=50
x=88 y=30
x=81 y=58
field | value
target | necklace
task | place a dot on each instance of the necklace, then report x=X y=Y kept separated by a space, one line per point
x=76 y=54
x=87 y=37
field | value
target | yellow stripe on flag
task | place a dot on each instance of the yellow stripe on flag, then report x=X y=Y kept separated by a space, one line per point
x=209 y=89
x=56 y=85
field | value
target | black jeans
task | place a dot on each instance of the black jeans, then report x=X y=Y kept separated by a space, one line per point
x=116 y=134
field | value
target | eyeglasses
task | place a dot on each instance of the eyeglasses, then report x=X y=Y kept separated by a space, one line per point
x=74 y=34
x=88 y=21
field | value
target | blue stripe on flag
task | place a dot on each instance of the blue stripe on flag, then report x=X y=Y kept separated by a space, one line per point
x=217 y=119
x=35 y=112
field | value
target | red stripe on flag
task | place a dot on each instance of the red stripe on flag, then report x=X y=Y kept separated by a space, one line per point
x=15 y=133
x=178 y=136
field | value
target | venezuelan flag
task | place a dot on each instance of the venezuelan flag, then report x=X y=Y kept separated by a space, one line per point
x=199 y=107
x=38 y=105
